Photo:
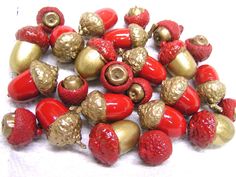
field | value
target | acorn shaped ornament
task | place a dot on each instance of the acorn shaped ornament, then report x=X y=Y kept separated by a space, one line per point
x=94 y=24
x=31 y=43
x=144 y=66
x=63 y=127
x=177 y=93
x=66 y=43
x=209 y=88
x=91 y=59
x=157 y=115
x=108 y=141
x=41 y=78
x=126 y=38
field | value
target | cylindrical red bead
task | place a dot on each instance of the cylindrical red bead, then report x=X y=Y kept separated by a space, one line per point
x=108 y=16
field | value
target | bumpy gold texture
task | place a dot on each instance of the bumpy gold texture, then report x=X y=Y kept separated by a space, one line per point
x=211 y=92
x=94 y=107
x=65 y=130
x=136 y=58
x=91 y=25
x=138 y=35
x=150 y=114
x=44 y=76
x=172 y=89
x=67 y=46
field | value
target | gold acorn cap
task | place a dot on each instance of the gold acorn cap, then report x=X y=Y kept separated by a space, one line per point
x=44 y=76
x=138 y=35
x=150 y=113
x=135 y=58
x=134 y=11
x=172 y=89
x=67 y=46
x=91 y=25
x=94 y=107
x=66 y=130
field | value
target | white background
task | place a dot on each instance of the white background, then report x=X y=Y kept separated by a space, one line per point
x=214 y=19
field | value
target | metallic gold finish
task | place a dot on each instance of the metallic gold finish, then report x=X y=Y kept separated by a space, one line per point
x=212 y=91
x=66 y=130
x=72 y=82
x=183 y=65
x=44 y=76
x=23 y=54
x=116 y=74
x=161 y=34
x=8 y=123
x=94 y=107
x=150 y=114
x=51 y=19
x=91 y=25
x=172 y=89
x=135 y=11
x=136 y=93
x=128 y=134
x=216 y=108
x=136 y=58
x=138 y=35
x=153 y=28
x=224 y=130
x=89 y=63
x=234 y=112
x=67 y=46
x=199 y=40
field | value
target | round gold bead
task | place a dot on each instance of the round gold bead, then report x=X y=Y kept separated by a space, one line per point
x=136 y=93
x=51 y=19
x=116 y=74
x=72 y=82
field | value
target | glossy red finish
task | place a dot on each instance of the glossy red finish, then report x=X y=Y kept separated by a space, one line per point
x=153 y=71
x=57 y=32
x=22 y=87
x=48 y=110
x=205 y=73
x=189 y=102
x=118 y=106
x=172 y=123
x=108 y=16
x=119 y=37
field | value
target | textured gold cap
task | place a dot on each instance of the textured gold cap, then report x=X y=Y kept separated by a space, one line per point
x=138 y=35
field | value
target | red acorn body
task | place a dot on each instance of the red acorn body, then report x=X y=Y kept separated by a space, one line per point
x=228 y=106
x=116 y=76
x=99 y=107
x=154 y=147
x=30 y=83
x=156 y=115
x=137 y=15
x=73 y=90
x=49 y=18
x=177 y=93
x=133 y=36
x=144 y=65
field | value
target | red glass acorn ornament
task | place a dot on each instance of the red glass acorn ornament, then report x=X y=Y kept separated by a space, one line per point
x=96 y=23
x=31 y=43
x=116 y=76
x=108 y=141
x=66 y=43
x=177 y=93
x=144 y=66
x=154 y=147
x=20 y=127
x=177 y=59
x=40 y=78
x=125 y=38
x=228 y=106
x=137 y=15
x=63 y=126
x=92 y=58
x=99 y=107
x=73 y=90
x=207 y=129
x=199 y=47
x=209 y=88
x=140 y=91
x=156 y=115
x=49 y=18
x=165 y=31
